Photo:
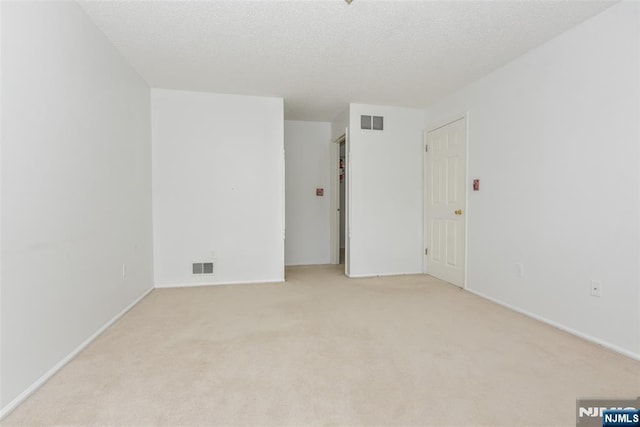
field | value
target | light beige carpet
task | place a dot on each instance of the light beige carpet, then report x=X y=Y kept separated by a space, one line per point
x=325 y=350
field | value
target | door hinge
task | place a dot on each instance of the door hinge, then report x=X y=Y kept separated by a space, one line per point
x=426 y=251
x=426 y=148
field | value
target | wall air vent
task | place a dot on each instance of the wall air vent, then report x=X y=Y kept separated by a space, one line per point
x=372 y=122
x=202 y=268
x=378 y=122
x=365 y=122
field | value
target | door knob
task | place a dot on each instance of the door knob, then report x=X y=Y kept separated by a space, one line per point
x=458 y=212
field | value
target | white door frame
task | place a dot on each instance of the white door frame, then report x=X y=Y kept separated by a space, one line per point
x=334 y=227
x=334 y=239
x=347 y=204
x=425 y=173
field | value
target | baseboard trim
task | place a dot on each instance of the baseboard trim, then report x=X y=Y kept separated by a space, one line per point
x=317 y=264
x=557 y=325
x=198 y=284
x=365 y=276
x=51 y=372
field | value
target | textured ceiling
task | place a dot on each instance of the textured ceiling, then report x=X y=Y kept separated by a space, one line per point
x=320 y=55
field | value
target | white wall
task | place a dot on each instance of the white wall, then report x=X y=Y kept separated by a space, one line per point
x=76 y=188
x=554 y=138
x=307 y=148
x=386 y=192
x=339 y=124
x=218 y=187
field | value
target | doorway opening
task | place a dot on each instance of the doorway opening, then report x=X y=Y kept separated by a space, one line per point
x=340 y=201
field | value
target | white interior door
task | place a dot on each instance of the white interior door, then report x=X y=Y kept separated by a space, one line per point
x=445 y=196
